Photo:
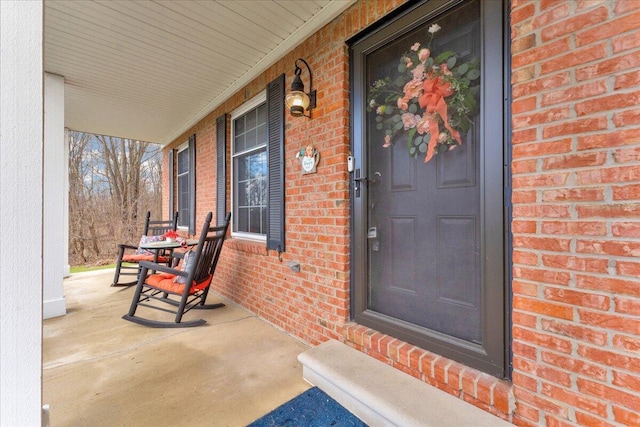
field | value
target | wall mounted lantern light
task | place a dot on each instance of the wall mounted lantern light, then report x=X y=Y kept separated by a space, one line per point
x=297 y=100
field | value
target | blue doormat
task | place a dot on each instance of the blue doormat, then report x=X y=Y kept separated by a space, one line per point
x=313 y=408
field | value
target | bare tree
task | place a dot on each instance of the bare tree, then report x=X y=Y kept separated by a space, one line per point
x=113 y=182
x=79 y=194
x=123 y=169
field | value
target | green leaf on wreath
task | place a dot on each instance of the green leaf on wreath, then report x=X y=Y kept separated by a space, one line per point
x=402 y=67
x=462 y=69
x=379 y=119
x=412 y=151
x=451 y=62
x=379 y=126
x=397 y=118
x=412 y=132
x=444 y=56
x=473 y=74
x=418 y=140
x=413 y=108
x=423 y=147
x=398 y=126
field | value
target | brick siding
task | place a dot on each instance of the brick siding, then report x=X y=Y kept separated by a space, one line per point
x=576 y=153
x=576 y=235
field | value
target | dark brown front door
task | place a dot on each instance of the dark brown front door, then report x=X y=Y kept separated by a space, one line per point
x=428 y=236
x=424 y=236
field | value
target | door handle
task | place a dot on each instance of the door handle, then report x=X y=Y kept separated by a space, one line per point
x=357 y=179
x=356 y=182
x=365 y=179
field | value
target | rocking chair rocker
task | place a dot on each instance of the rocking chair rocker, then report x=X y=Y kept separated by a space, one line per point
x=182 y=288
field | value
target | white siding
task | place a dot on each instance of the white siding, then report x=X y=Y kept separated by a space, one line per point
x=21 y=154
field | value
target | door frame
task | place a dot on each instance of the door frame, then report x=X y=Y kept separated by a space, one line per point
x=493 y=356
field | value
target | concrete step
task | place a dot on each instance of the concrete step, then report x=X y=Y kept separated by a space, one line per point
x=384 y=396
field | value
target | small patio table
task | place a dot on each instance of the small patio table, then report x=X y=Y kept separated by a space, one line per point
x=166 y=244
x=160 y=245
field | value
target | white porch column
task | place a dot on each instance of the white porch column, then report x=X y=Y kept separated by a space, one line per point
x=54 y=196
x=21 y=178
x=65 y=209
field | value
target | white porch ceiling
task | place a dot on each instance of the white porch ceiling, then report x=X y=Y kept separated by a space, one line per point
x=149 y=70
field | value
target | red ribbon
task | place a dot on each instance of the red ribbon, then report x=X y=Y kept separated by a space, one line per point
x=434 y=91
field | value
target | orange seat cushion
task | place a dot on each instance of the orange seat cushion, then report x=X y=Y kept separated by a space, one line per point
x=143 y=257
x=164 y=282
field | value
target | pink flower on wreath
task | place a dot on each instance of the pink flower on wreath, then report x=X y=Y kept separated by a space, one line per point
x=415 y=46
x=408 y=62
x=424 y=123
x=424 y=54
x=412 y=89
x=403 y=103
x=444 y=68
x=387 y=141
x=418 y=72
x=410 y=120
x=380 y=110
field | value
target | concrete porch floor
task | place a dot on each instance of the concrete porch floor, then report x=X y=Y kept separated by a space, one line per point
x=100 y=370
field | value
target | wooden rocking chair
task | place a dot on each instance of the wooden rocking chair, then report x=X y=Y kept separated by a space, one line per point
x=179 y=290
x=129 y=256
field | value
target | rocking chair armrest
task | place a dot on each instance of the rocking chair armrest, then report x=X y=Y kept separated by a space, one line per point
x=127 y=246
x=177 y=255
x=163 y=268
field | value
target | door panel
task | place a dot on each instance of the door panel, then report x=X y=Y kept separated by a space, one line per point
x=425 y=269
x=424 y=225
x=459 y=170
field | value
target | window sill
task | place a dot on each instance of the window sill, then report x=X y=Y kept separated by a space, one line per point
x=252 y=247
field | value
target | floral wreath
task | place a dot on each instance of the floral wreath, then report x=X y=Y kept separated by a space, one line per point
x=434 y=106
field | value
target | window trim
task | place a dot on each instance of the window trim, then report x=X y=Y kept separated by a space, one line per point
x=253 y=103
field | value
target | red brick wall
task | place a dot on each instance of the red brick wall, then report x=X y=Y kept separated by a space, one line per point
x=576 y=186
x=314 y=303
x=576 y=175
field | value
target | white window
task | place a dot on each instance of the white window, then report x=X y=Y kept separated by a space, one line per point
x=249 y=169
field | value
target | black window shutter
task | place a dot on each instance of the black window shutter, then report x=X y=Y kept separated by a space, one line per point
x=221 y=168
x=192 y=184
x=172 y=171
x=275 y=159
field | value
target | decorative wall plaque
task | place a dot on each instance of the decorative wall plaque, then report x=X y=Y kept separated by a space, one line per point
x=309 y=158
